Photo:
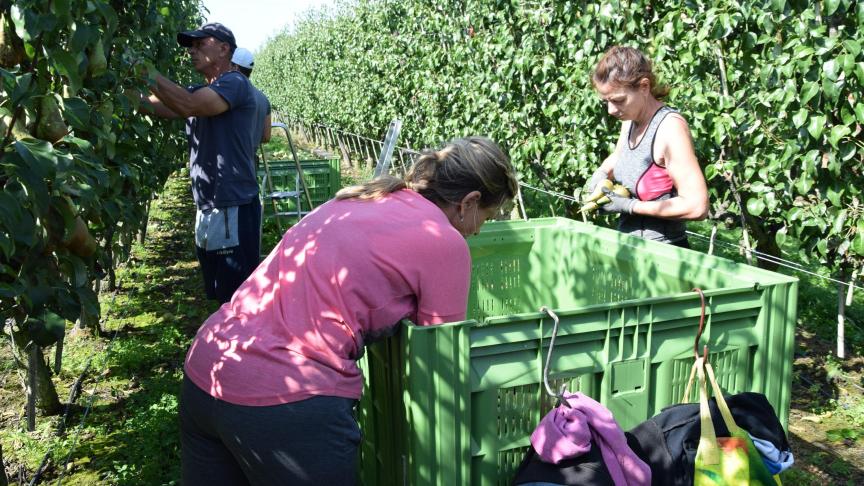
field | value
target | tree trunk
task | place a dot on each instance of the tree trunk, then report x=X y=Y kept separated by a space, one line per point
x=3 y=480
x=766 y=242
x=46 y=394
x=109 y=250
x=142 y=232
x=32 y=385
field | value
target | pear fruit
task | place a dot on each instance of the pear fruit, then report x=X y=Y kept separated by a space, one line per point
x=80 y=241
x=51 y=126
x=594 y=202
x=107 y=109
x=598 y=191
x=97 y=64
x=11 y=46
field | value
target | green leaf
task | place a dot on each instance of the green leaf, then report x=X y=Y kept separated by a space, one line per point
x=755 y=206
x=798 y=119
x=83 y=36
x=808 y=91
x=847 y=63
x=88 y=299
x=847 y=151
x=10 y=210
x=859 y=112
x=60 y=9
x=68 y=65
x=839 y=221
x=816 y=126
x=830 y=69
x=834 y=196
x=803 y=185
x=77 y=113
x=34 y=167
x=36 y=152
x=830 y=89
x=780 y=236
x=822 y=247
x=847 y=115
x=7 y=247
x=858 y=242
x=778 y=5
x=36 y=23
x=110 y=16
x=46 y=330
x=829 y=7
x=21 y=93
x=838 y=132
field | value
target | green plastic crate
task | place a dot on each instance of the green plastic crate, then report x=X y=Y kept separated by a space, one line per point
x=455 y=404
x=322 y=177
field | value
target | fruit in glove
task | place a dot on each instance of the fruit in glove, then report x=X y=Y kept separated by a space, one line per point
x=594 y=203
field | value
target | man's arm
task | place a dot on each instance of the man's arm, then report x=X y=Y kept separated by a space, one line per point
x=153 y=105
x=201 y=102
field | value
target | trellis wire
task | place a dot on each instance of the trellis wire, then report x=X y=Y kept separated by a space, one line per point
x=780 y=261
x=551 y=193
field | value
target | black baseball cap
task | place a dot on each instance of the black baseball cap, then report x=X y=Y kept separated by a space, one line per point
x=213 y=29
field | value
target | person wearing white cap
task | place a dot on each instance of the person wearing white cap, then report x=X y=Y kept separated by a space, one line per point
x=223 y=131
x=243 y=61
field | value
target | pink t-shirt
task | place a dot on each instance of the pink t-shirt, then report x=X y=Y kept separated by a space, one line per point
x=346 y=274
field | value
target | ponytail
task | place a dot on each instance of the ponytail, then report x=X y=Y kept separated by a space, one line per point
x=447 y=175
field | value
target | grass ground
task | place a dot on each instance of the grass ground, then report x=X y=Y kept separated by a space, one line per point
x=123 y=429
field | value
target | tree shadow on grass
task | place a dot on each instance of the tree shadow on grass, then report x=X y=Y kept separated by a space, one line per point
x=134 y=440
x=818 y=465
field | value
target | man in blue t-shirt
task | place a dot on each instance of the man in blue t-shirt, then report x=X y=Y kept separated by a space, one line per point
x=221 y=128
x=243 y=61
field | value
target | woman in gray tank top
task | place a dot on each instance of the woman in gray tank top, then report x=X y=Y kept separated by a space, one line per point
x=654 y=157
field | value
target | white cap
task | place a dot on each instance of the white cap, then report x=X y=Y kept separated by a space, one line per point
x=243 y=58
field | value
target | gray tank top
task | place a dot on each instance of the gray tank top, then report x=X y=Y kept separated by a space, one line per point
x=633 y=164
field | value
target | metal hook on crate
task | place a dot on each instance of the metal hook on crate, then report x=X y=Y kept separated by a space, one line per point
x=559 y=396
x=701 y=329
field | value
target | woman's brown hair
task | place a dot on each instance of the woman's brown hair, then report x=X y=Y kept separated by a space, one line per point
x=626 y=66
x=446 y=175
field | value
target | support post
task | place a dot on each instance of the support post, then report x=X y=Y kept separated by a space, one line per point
x=32 y=364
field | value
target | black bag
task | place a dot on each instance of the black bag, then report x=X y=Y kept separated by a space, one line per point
x=587 y=469
x=668 y=441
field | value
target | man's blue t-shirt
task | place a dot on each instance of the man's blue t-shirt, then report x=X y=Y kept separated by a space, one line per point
x=222 y=147
x=263 y=111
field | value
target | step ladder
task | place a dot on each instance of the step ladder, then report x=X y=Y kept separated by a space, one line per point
x=300 y=186
x=383 y=165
